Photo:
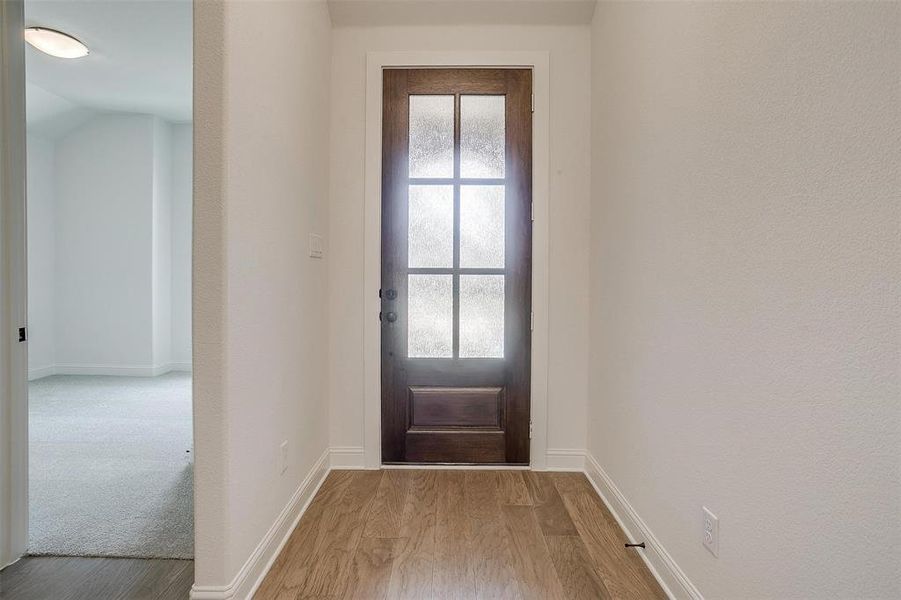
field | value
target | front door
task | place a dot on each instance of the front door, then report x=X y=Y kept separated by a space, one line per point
x=456 y=265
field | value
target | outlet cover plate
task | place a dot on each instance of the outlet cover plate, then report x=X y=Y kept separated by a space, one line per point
x=283 y=457
x=711 y=531
x=315 y=245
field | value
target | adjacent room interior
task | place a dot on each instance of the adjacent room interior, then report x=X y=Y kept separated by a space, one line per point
x=109 y=281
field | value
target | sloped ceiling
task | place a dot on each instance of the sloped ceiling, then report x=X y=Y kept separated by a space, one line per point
x=140 y=60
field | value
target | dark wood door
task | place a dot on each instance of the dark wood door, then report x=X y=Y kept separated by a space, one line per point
x=456 y=265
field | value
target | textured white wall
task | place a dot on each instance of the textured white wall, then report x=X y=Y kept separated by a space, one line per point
x=109 y=223
x=161 y=254
x=260 y=302
x=182 y=204
x=569 y=182
x=745 y=273
x=41 y=255
x=104 y=229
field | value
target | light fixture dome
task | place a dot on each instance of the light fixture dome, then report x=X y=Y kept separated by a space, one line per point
x=55 y=43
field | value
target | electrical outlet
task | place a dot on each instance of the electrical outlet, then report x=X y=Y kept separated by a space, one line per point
x=283 y=457
x=315 y=245
x=711 y=525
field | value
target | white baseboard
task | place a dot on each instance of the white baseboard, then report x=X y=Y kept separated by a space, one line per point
x=347 y=457
x=41 y=372
x=111 y=370
x=251 y=575
x=115 y=370
x=672 y=578
x=565 y=459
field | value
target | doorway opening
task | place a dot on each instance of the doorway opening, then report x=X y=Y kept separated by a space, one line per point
x=456 y=265
x=109 y=204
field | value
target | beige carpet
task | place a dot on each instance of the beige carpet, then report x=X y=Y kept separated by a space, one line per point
x=110 y=466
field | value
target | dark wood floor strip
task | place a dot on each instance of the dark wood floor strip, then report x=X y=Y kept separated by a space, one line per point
x=79 y=578
x=180 y=588
x=157 y=578
x=113 y=579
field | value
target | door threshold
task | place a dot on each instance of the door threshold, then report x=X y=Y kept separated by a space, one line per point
x=458 y=466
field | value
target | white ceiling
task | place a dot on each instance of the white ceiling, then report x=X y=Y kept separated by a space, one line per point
x=140 y=60
x=141 y=50
x=375 y=13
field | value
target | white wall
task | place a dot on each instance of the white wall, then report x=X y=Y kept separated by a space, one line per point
x=569 y=183
x=745 y=288
x=41 y=255
x=109 y=248
x=260 y=301
x=104 y=234
x=161 y=253
x=182 y=166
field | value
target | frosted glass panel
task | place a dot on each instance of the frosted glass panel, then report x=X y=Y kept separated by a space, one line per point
x=430 y=328
x=431 y=136
x=482 y=136
x=482 y=226
x=481 y=316
x=430 y=242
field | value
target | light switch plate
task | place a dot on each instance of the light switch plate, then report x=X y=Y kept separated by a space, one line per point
x=315 y=245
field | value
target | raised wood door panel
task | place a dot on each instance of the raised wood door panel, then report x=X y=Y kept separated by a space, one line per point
x=456 y=265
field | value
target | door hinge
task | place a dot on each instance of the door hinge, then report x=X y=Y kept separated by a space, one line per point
x=532 y=321
x=23 y=334
x=533 y=102
x=530 y=429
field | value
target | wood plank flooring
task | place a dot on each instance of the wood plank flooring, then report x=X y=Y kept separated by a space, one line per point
x=78 y=578
x=432 y=534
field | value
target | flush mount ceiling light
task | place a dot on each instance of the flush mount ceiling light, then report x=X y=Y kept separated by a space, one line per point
x=55 y=43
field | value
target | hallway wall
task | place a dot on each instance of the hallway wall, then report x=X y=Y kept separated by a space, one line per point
x=569 y=182
x=745 y=274
x=260 y=301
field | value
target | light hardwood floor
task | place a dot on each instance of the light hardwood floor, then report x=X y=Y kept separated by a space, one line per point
x=427 y=534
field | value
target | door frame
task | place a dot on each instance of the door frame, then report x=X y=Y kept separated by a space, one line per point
x=539 y=63
x=13 y=288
